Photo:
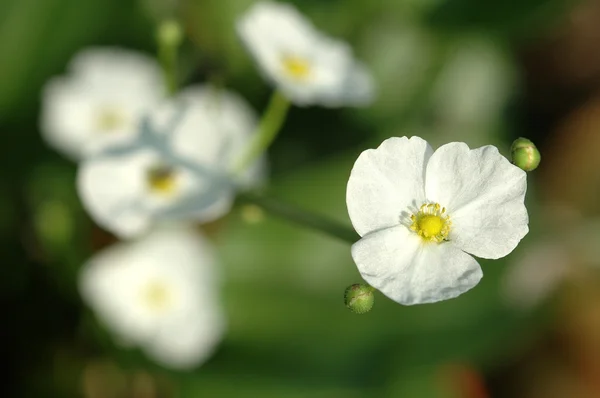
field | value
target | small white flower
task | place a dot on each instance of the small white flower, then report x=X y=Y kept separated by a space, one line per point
x=420 y=212
x=176 y=169
x=158 y=293
x=306 y=65
x=100 y=101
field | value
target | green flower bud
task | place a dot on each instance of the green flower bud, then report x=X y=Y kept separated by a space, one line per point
x=170 y=33
x=359 y=298
x=524 y=154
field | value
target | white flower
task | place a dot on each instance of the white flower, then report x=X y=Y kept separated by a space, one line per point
x=158 y=293
x=420 y=212
x=307 y=66
x=176 y=169
x=100 y=101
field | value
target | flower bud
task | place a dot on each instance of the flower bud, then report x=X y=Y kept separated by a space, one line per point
x=170 y=33
x=524 y=154
x=359 y=298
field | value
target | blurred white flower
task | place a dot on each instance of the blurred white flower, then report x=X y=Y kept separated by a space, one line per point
x=100 y=101
x=159 y=293
x=177 y=168
x=306 y=65
x=420 y=212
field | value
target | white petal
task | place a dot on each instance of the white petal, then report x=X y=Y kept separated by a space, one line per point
x=386 y=182
x=273 y=31
x=111 y=284
x=331 y=64
x=202 y=198
x=113 y=190
x=66 y=121
x=228 y=121
x=484 y=195
x=71 y=114
x=116 y=67
x=181 y=244
x=398 y=263
x=116 y=82
x=192 y=340
x=105 y=285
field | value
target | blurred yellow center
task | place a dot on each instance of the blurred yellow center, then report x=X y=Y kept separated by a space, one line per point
x=162 y=180
x=109 y=119
x=156 y=296
x=431 y=222
x=296 y=67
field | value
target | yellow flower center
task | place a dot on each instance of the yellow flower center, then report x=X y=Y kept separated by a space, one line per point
x=162 y=180
x=431 y=222
x=297 y=68
x=156 y=296
x=109 y=119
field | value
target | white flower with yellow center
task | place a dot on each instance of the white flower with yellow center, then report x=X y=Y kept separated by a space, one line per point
x=177 y=169
x=422 y=213
x=306 y=65
x=100 y=101
x=159 y=293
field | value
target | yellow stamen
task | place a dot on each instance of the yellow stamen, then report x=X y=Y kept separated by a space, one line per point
x=162 y=180
x=109 y=119
x=296 y=67
x=156 y=296
x=431 y=223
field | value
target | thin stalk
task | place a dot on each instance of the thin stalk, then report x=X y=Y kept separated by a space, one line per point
x=169 y=37
x=267 y=130
x=301 y=217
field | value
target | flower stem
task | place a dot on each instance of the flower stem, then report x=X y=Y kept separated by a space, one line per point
x=169 y=37
x=267 y=130
x=301 y=217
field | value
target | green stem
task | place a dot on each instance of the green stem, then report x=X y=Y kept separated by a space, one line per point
x=169 y=37
x=267 y=130
x=168 y=60
x=301 y=217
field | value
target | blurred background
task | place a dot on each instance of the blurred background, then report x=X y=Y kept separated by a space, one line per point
x=447 y=70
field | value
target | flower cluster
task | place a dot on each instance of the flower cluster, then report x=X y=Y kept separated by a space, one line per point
x=147 y=162
x=177 y=166
x=153 y=161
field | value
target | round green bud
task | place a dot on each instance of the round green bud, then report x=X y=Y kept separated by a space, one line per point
x=170 y=33
x=359 y=298
x=525 y=154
